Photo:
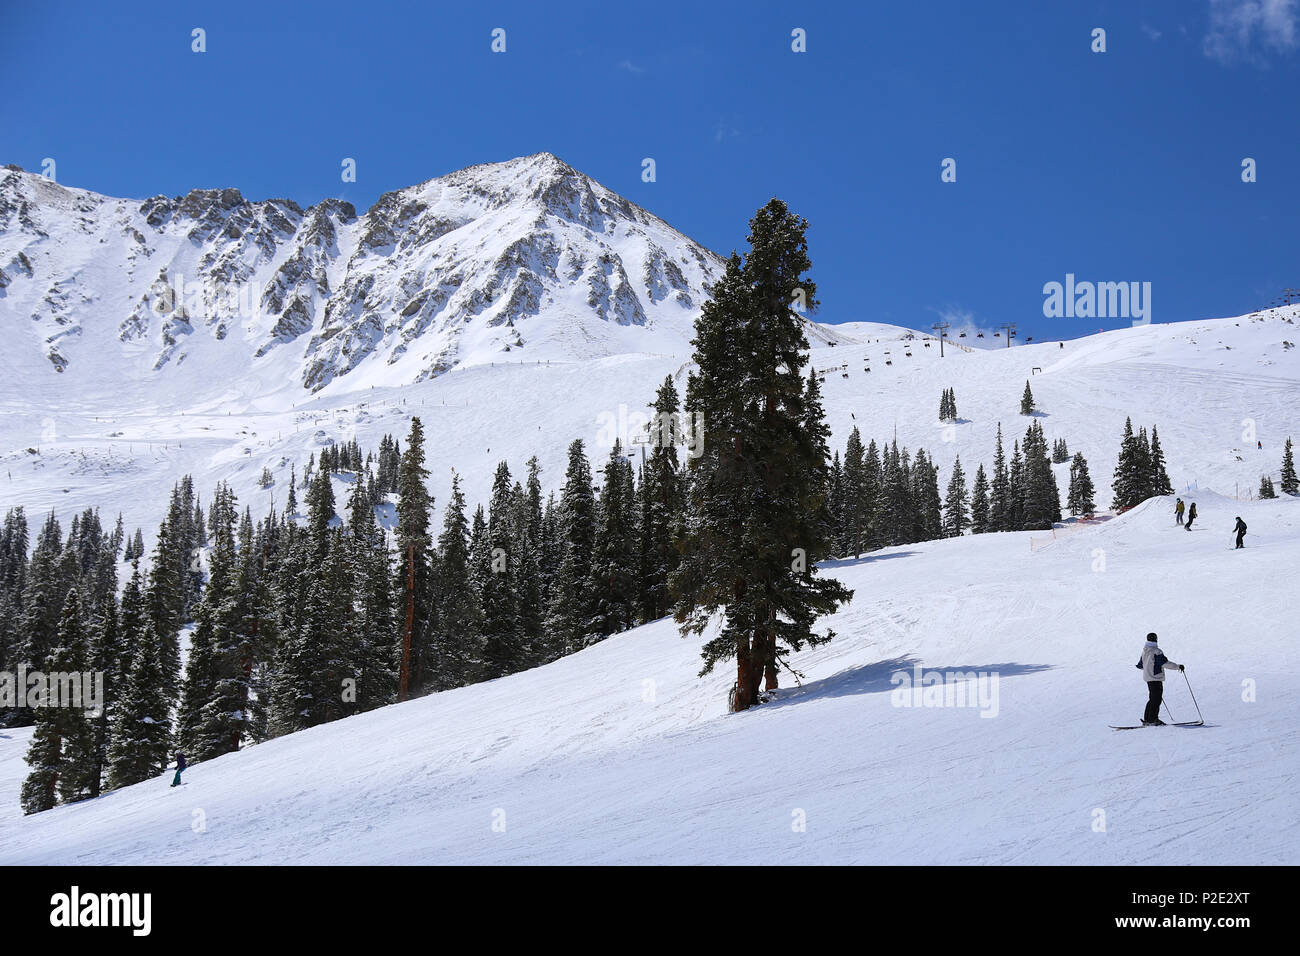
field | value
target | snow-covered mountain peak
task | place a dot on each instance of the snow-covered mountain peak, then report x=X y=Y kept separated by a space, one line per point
x=528 y=257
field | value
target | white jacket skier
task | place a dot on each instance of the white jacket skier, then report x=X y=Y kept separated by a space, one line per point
x=1154 y=662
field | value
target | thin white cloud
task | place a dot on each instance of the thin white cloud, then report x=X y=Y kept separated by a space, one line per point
x=1250 y=29
x=630 y=67
x=1151 y=32
x=724 y=130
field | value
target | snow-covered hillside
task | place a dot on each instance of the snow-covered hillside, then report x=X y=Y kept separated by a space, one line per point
x=1204 y=384
x=620 y=754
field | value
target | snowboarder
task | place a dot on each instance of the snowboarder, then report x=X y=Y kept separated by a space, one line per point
x=1152 y=664
x=180 y=765
x=1178 y=511
x=1191 y=516
x=1241 y=531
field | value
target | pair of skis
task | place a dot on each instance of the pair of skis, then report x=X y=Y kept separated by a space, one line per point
x=1199 y=722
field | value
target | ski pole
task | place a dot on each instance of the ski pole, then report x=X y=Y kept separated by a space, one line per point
x=1168 y=711
x=1189 y=690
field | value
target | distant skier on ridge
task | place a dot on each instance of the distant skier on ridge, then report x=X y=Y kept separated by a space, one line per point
x=1152 y=664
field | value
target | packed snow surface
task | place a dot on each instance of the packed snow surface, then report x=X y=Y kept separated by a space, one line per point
x=620 y=754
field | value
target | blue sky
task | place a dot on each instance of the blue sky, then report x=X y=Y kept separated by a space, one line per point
x=1115 y=166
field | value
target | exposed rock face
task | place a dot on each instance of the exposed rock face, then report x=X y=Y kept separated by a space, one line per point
x=496 y=258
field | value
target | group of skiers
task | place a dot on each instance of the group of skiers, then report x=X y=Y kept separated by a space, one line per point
x=1239 y=529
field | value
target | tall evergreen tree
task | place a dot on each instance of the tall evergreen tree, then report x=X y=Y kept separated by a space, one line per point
x=1080 y=495
x=62 y=750
x=502 y=644
x=1027 y=401
x=414 y=510
x=1290 y=483
x=460 y=615
x=979 y=504
x=1000 y=490
x=857 y=497
x=755 y=492
x=141 y=731
x=956 y=516
x=661 y=495
x=571 y=612
x=1128 y=487
x=614 y=563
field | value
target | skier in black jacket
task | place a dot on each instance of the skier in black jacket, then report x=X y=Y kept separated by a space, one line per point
x=1191 y=516
x=1241 y=531
x=180 y=765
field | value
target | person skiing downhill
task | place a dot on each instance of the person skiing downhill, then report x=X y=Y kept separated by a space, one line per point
x=1241 y=531
x=1191 y=516
x=1178 y=511
x=1152 y=664
x=180 y=765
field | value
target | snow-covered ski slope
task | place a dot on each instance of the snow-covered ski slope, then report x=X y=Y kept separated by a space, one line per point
x=620 y=754
x=1205 y=384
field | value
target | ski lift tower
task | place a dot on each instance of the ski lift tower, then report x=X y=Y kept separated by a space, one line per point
x=941 y=329
x=1010 y=329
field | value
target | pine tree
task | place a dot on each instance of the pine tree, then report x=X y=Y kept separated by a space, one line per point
x=105 y=653
x=857 y=499
x=613 y=572
x=320 y=510
x=62 y=751
x=836 y=509
x=1042 y=500
x=1266 y=489
x=661 y=493
x=570 y=614
x=315 y=660
x=928 y=513
x=979 y=505
x=141 y=735
x=291 y=505
x=1027 y=401
x=1080 y=496
x=1000 y=490
x=502 y=647
x=370 y=623
x=164 y=603
x=414 y=509
x=948 y=406
x=956 y=517
x=1290 y=484
x=1016 y=490
x=755 y=493
x=460 y=615
x=1128 y=487
x=1160 y=484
